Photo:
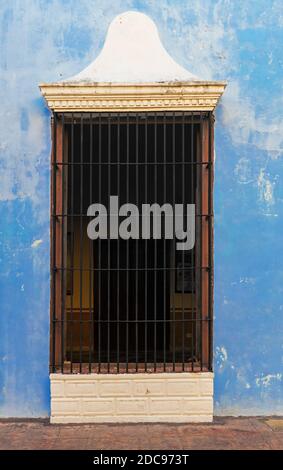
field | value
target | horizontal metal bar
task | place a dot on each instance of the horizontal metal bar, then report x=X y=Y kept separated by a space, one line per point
x=147 y=163
x=190 y=268
x=109 y=213
x=161 y=321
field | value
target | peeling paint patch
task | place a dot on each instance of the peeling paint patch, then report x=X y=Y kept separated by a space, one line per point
x=247 y=280
x=247 y=127
x=266 y=380
x=243 y=171
x=265 y=188
x=36 y=243
x=221 y=356
x=266 y=198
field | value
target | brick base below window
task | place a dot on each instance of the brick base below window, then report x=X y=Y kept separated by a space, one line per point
x=108 y=398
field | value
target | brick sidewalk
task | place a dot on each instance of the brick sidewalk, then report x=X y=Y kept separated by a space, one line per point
x=224 y=433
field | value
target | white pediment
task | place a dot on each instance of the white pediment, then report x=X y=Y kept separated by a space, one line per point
x=133 y=53
x=133 y=72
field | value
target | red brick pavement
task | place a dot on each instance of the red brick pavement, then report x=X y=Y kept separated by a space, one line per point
x=224 y=433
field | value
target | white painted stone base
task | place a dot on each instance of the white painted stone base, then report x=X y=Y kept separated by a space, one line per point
x=132 y=398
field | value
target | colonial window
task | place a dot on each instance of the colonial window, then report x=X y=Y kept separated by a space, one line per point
x=138 y=304
x=132 y=222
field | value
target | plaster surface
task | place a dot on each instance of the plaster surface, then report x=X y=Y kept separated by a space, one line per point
x=239 y=41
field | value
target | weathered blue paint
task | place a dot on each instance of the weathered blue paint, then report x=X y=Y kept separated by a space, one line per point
x=240 y=41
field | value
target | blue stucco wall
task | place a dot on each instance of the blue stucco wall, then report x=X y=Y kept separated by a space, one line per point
x=237 y=40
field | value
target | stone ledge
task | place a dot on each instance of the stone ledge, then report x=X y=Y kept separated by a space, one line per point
x=166 y=397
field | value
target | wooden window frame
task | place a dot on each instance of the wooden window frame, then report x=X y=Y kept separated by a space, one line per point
x=204 y=242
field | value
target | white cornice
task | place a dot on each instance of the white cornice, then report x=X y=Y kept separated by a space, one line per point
x=111 y=97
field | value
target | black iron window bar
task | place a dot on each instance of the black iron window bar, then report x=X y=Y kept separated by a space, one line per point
x=130 y=305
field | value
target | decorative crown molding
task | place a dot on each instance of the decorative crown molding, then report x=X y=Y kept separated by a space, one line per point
x=133 y=72
x=114 y=97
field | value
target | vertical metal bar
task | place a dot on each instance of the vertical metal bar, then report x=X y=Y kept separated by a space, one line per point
x=155 y=241
x=99 y=249
x=90 y=289
x=81 y=237
x=193 y=251
x=200 y=239
x=174 y=250
x=118 y=247
x=63 y=238
x=164 y=246
x=183 y=253
x=127 y=251
x=54 y=191
x=146 y=245
x=210 y=211
x=205 y=278
x=72 y=241
x=108 y=247
x=137 y=242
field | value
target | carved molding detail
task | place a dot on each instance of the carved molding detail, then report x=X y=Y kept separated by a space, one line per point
x=193 y=96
